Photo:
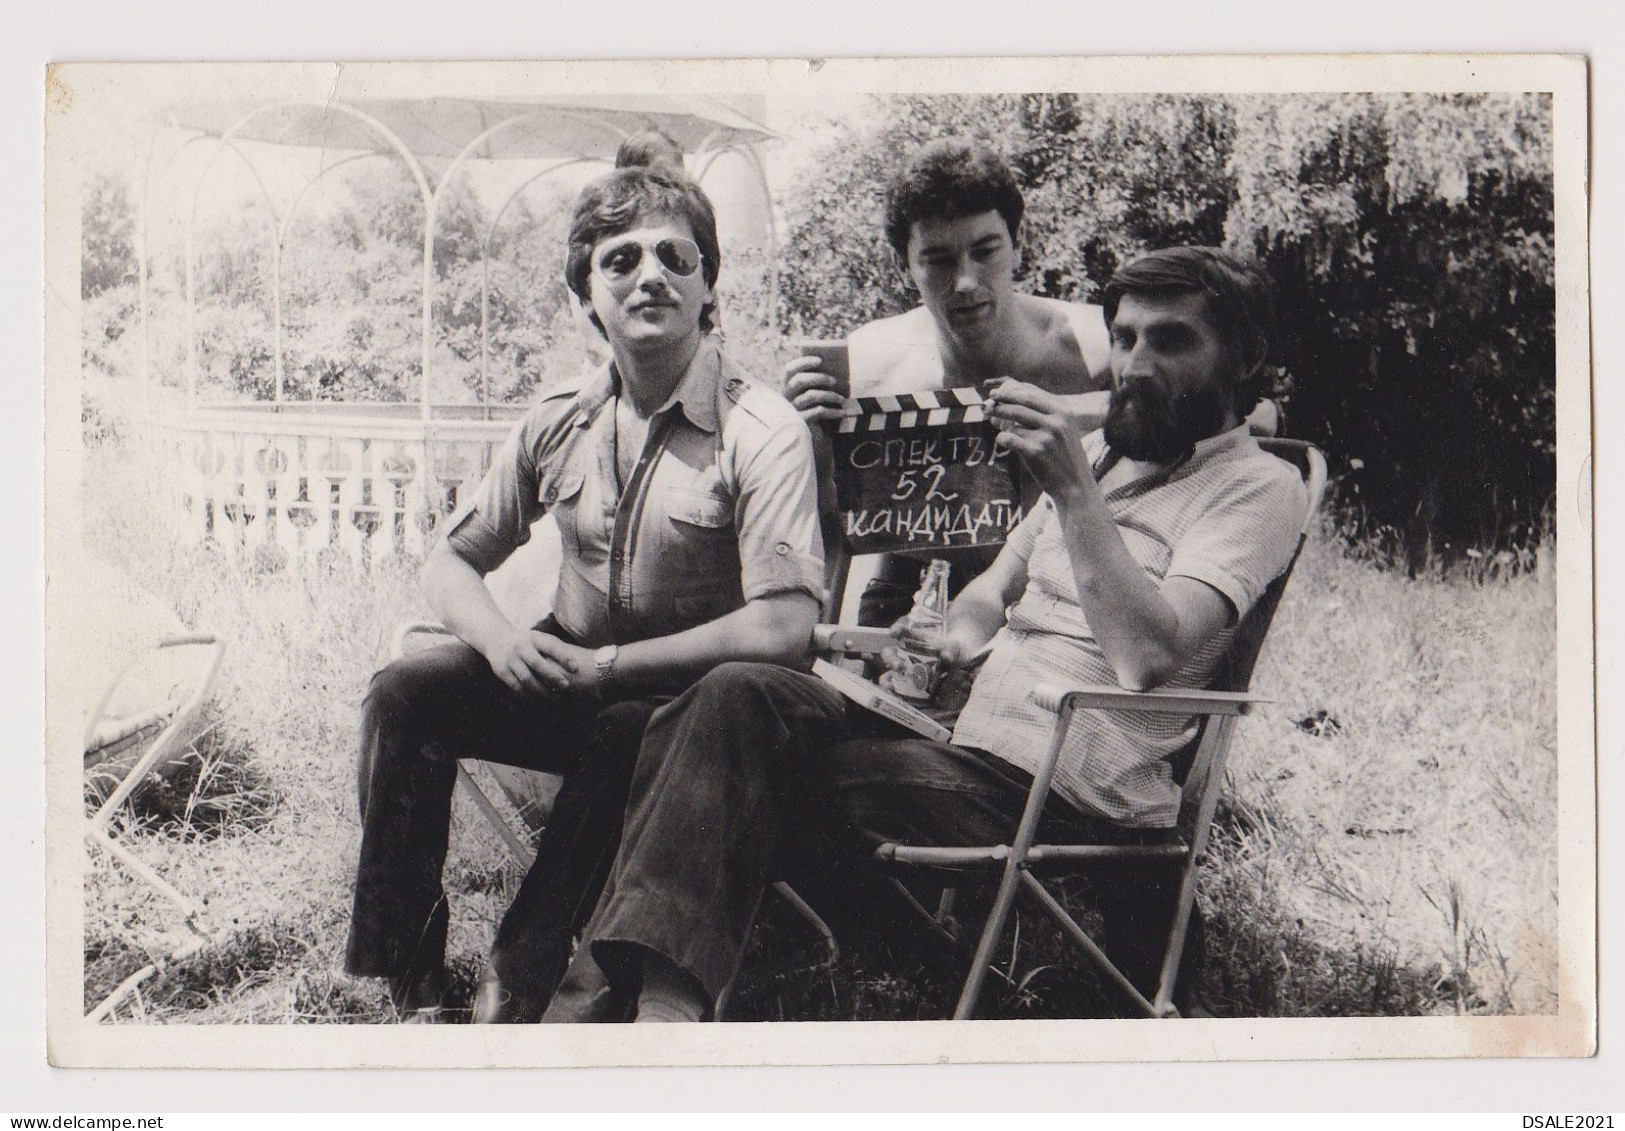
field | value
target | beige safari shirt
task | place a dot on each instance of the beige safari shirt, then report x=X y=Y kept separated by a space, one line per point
x=720 y=508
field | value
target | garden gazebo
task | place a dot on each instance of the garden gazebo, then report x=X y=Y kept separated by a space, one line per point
x=372 y=478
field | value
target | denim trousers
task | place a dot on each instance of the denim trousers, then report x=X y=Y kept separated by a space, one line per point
x=756 y=770
x=421 y=714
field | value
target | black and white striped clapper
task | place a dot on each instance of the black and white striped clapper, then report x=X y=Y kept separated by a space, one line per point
x=912 y=410
x=921 y=472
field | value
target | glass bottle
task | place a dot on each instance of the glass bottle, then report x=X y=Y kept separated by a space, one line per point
x=921 y=670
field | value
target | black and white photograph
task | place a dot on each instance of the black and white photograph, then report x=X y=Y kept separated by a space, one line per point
x=1089 y=545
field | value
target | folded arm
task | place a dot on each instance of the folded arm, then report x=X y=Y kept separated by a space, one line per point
x=1147 y=630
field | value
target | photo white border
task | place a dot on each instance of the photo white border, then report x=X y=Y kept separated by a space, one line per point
x=1195 y=25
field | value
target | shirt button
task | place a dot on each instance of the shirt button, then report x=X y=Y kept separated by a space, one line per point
x=782 y=548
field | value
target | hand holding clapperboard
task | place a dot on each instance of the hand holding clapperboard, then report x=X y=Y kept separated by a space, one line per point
x=920 y=473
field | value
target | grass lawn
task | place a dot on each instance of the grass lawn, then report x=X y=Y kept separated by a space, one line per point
x=1387 y=844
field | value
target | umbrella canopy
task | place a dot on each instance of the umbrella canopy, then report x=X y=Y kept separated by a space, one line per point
x=437 y=129
x=436 y=136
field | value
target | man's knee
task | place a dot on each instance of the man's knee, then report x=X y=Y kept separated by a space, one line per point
x=740 y=687
x=407 y=691
x=746 y=676
x=405 y=704
x=617 y=732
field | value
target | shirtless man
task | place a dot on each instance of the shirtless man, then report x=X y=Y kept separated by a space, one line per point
x=952 y=218
x=953 y=213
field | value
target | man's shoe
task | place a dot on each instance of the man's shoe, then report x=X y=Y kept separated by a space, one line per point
x=495 y=1004
x=419 y=999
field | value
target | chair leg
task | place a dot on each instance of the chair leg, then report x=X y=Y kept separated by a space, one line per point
x=832 y=948
x=1081 y=937
x=720 y=1007
x=1178 y=932
x=188 y=906
x=1015 y=866
x=516 y=847
x=997 y=918
x=941 y=922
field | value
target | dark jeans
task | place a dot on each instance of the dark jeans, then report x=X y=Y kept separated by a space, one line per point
x=754 y=766
x=421 y=714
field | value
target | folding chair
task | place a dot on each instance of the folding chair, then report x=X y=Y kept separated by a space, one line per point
x=123 y=746
x=1227 y=698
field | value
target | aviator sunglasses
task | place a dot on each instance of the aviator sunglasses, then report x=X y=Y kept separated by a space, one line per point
x=677 y=256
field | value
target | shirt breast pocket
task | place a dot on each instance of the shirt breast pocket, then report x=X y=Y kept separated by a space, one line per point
x=560 y=495
x=699 y=532
x=698 y=513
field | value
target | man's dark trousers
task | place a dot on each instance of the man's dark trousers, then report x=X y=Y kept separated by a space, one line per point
x=421 y=714
x=755 y=765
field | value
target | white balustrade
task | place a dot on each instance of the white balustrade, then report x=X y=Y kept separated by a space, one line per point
x=318 y=479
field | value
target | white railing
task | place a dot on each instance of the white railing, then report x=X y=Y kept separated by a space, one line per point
x=307 y=480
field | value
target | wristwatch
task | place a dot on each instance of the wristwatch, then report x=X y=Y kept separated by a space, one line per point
x=603 y=662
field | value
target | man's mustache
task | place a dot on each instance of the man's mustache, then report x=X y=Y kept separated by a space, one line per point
x=1149 y=418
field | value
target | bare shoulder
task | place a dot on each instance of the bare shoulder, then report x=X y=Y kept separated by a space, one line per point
x=895 y=354
x=1085 y=321
x=1060 y=334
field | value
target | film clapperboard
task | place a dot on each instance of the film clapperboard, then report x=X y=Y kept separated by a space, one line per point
x=920 y=473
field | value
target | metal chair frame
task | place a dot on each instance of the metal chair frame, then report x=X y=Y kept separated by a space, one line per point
x=169 y=726
x=1014 y=863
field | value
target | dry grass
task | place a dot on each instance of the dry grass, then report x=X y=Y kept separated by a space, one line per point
x=1401 y=859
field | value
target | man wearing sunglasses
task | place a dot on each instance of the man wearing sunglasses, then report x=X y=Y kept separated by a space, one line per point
x=685 y=496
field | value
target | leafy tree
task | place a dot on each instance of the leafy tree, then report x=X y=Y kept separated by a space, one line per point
x=107 y=237
x=1410 y=237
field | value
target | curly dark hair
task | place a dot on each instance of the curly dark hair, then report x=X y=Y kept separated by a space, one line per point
x=617 y=202
x=946 y=179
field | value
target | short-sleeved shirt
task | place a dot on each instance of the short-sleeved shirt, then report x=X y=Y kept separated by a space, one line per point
x=720 y=508
x=1228 y=516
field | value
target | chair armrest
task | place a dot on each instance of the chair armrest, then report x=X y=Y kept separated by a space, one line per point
x=851 y=640
x=1161 y=700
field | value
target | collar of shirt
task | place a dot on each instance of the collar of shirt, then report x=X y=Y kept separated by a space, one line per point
x=696 y=393
x=1129 y=472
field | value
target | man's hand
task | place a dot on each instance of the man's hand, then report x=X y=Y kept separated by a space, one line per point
x=814 y=393
x=949 y=651
x=1038 y=427
x=540 y=664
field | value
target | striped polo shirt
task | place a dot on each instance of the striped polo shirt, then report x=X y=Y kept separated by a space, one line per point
x=1229 y=516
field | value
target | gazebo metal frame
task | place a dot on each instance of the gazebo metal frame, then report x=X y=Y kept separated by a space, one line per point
x=260 y=438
